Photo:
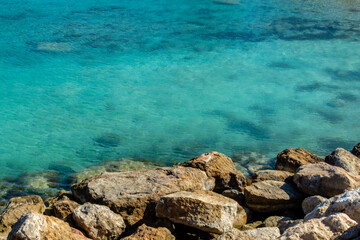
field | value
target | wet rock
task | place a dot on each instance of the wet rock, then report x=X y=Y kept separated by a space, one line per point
x=348 y=202
x=325 y=180
x=99 y=221
x=63 y=209
x=291 y=159
x=265 y=233
x=311 y=202
x=220 y=167
x=234 y=234
x=264 y=175
x=270 y=196
x=134 y=194
x=344 y=159
x=319 y=228
x=356 y=150
x=204 y=210
x=273 y=221
x=149 y=233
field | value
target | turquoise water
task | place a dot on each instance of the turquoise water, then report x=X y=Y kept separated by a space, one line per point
x=83 y=82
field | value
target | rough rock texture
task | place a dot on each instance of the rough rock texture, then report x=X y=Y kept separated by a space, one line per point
x=291 y=159
x=220 y=167
x=319 y=228
x=134 y=194
x=34 y=226
x=311 y=202
x=149 y=233
x=234 y=234
x=356 y=150
x=273 y=221
x=348 y=202
x=325 y=180
x=344 y=159
x=283 y=225
x=265 y=233
x=235 y=195
x=99 y=221
x=17 y=207
x=204 y=210
x=270 y=196
x=64 y=208
x=264 y=175
x=352 y=233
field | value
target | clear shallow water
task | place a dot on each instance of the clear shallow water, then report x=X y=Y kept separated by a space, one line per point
x=84 y=82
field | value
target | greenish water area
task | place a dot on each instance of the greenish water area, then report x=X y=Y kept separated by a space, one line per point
x=157 y=82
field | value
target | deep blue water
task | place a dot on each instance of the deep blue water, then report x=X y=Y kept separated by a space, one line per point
x=84 y=82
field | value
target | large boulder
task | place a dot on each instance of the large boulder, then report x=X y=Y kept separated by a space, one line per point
x=263 y=175
x=98 y=221
x=311 y=202
x=348 y=202
x=344 y=159
x=266 y=233
x=134 y=194
x=64 y=208
x=220 y=167
x=291 y=159
x=356 y=150
x=270 y=196
x=204 y=210
x=325 y=180
x=149 y=233
x=319 y=228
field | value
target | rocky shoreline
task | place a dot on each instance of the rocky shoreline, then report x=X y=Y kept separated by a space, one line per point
x=304 y=197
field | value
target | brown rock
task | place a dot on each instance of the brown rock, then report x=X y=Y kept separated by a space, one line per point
x=311 y=202
x=234 y=234
x=78 y=235
x=270 y=196
x=134 y=194
x=356 y=150
x=64 y=208
x=325 y=180
x=291 y=159
x=273 y=221
x=204 y=210
x=263 y=175
x=149 y=233
x=344 y=159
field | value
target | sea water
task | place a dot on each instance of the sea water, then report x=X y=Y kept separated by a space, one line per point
x=83 y=82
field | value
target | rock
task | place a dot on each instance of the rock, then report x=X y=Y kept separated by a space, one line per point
x=204 y=210
x=273 y=221
x=134 y=194
x=265 y=233
x=149 y=233
x=54 y=47
x=270 y=196
x=108 y=140
x=291 y=159
x=325 y=180
x=220 y=167
x=264 y=175
x=356 y=150
x=78 y=235
x=283 y=225
x=235 y=195
x=17 y=207
x=99 y=221
x=344 y=159
x=348 y=202
x=34 y=226
x=64 y=208
x=250 y=226
x=319 y=228
x=352 y=233
x=234 y=234
x=311 y=202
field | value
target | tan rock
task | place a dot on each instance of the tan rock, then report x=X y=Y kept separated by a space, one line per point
x=78 y=235
x=265 y=233
x=149 y=233
x=134 y=194
x=344 y=159
x=356 y=150
x=234 y=234
x=270 y=196
x=291 y=159
x=273 y=221
x=263 y=175
x=204 y=210
x=311 y=202
x=64 y=208
x=325 y=180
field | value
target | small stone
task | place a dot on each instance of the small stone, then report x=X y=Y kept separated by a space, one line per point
x=311 y=202
x=149 y=233
x=356 y=150
x=263 y=175
x=344 y=159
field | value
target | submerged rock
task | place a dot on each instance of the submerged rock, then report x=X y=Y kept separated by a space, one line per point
x=311 y=202
x=54 y=47
x=344 y=159
x=275 y=175
x=149 y=233
x=108 y=140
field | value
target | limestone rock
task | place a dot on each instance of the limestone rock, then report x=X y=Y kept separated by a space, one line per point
x=283 y=225
x=270 y=196
x=319 y=228
x=273 y=221
x=356 y=150
x=291 y=159
x=352 y=233
x=149 y=233
x=235 y=195
x=62 y=209
x=348 y=202
x=265 y=233
x=78 y=235
x=344 y=159
x=325 y=180
x=204 y=210
x=220 y=167
x=99 y=221
x=311 y=202
x=264 y=175
x=234 y=234
x=134 y=194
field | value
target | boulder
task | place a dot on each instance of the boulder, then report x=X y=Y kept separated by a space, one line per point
x=352 y=233
x=204 y=210
x=311 y=202
x=265 y=233
x=235 y=195
x=356 y=150
x=325 y=180
x=99 y=221
x=344 y=159
x=134 y=194
x=348 y=202
x=263 y=175
x=234 y=234
x=319 y=228
x=220 y=167
x=273 y=221
x=270 y=196
x=78 y=235
x=149 y=233
x=283 y=225
x=16 y=207
x=63 y=209
x=291 y=159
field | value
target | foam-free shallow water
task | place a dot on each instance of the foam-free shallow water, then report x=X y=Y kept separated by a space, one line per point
x=83 y=82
